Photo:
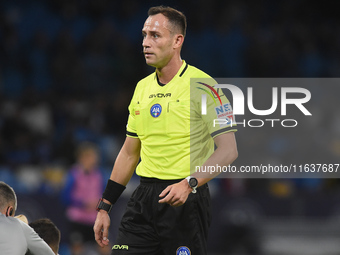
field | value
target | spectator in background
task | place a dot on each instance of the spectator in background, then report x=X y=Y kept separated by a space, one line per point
x=48 y=231
x=84 y=186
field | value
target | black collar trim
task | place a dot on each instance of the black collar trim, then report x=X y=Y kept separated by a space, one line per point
x=162 y=84
x=185 y=68
x=159 y=83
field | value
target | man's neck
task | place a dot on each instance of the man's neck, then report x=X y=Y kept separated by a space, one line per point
x=166 y=73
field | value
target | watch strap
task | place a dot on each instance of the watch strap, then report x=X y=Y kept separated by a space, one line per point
x=103 y=206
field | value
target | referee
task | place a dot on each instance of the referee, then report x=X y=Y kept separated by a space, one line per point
x=169 y=212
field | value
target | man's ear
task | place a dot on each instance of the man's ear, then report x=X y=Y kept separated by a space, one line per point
x=9 y=211
x=179 y=39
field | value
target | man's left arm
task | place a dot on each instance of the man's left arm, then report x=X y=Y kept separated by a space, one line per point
x=224 y=155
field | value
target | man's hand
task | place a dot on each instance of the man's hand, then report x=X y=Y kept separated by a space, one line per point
x=101 y=228
x=22 y=217
x=176 y=194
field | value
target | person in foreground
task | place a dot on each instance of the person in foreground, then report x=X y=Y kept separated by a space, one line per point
x=48 y=231
x=169 y=212
x=16 y=237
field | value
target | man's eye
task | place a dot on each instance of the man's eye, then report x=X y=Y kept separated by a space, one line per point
x=155 y=36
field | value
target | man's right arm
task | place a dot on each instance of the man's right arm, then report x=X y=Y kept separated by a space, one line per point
x=126 y=161
x=122 y=171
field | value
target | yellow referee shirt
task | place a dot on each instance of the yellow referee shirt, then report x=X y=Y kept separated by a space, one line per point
x=175 y=136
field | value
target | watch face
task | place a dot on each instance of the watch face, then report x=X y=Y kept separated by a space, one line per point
x=193 y=182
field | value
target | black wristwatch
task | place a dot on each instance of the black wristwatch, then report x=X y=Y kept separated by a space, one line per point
x=193 y=183
x=103 y=206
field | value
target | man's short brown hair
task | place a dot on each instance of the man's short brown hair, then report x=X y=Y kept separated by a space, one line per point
x=48 y=231
x=175 y=17
x=7 y=196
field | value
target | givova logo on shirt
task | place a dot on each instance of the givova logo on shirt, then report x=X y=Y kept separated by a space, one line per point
x=156 y=110
x=183 y=250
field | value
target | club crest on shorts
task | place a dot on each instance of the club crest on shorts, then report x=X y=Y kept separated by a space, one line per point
x=183 y=250
x=156 y=110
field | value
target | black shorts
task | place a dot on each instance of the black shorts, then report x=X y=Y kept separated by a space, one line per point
x=150 y=228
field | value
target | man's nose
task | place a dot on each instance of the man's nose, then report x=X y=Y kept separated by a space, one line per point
x=145 y=42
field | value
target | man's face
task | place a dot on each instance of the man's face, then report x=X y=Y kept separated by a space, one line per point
x=158 y=41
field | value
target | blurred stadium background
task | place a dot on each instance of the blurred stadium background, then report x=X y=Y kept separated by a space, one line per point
x=68 y=70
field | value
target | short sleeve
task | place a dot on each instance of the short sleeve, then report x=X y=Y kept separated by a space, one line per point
x=131 y=126
x=215 y=108
x=220 y=118
x=131 y=129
